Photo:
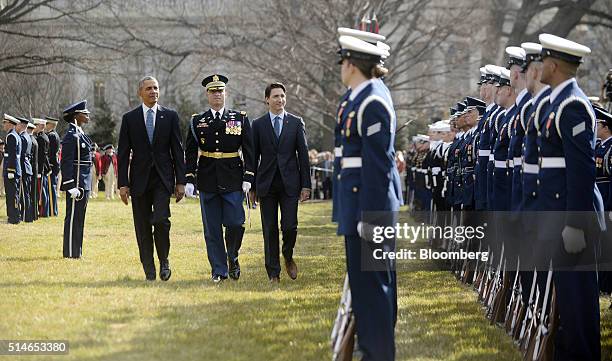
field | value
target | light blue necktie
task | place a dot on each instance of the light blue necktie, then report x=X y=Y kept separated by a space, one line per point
x=277 y=126
x=149 y=125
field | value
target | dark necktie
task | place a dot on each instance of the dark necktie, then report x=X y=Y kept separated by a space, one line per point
x=218 y=116
x=277 y=126
x=149 y=124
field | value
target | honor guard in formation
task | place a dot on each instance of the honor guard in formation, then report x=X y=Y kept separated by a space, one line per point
x=34 y=191
x=54 y=150
x=12 y=169
x=368 y=182
x=27 y=176
x=219 y=159
x=44 y=169
x=526 y=146
x=75 y=166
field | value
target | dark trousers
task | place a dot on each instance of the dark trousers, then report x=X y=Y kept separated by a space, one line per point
x=578 y=335
x=74 y=223
x=269 y=205
x=26 y=199
x=374 y=295
x=151 y=211
x=53 y=197
x=34 y=196
x=43 y=209
x=12 y=189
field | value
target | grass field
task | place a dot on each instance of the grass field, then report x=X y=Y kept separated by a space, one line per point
x=104 y=308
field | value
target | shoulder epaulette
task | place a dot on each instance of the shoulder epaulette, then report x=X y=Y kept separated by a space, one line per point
x=243 y=112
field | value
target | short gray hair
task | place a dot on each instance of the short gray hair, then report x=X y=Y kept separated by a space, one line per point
x=148 y=77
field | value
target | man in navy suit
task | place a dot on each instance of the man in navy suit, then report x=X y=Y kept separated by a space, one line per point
x=150 y=147
x=282 y=177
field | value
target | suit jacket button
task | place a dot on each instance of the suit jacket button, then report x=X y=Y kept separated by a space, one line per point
x=216 y=133
x=338 y=176
x=533 y=194
x=557 y=195
x=217 y=141
x=216 y=149
x=538 y=182
x=355 y=189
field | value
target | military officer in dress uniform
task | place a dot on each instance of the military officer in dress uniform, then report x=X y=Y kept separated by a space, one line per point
x=44 y=168
x=567 y=184
x=516 y=127
x=530 y=168
x=214 y=140
x=338 y=155
x=12 y=168
x=34 y=191
x=75 y=166
x=54 y=148
x=603 y=180
x=367 y=158
x=26 y=170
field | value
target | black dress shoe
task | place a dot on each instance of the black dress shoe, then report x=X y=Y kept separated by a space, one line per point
x=164 y=270
x=149 y=271
x=234 y=270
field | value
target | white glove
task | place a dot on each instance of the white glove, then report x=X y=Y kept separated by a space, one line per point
x=573 y=239
x=11 y=176
x=246 y=187
x=360 y=229
x=74 y=192
x=189 y=189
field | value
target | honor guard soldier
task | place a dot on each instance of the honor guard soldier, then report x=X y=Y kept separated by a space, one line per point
x=27 y=175
x=222 y=177
x=54 y=148
x=12 y=169
x=34 y=191
x=75 y=166
x=468 y=152
x=368 y=158
x=44 y=168
x=493 y=130
x=488 y=92
x=603 y=156
x=338 y=155
x=517 y=126
x=567 y=184
x=2 y=193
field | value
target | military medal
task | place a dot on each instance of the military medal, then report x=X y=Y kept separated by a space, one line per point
x=341 y=110
x=348 y=123
x=550 y=119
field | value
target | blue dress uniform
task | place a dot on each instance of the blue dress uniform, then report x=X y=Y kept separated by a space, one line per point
x=603 y=156
x=338 y=155
x=367 y=185
x=75 y=166
x=214 y=163
x=515 y=150
x=12 y=171
x=469 y=155
x=537 y=105
x=54 y=146
x=483 y=145
x=27 y=175
x=567 y=184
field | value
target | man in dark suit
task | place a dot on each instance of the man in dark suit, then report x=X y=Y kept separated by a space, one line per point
x=150 y=147
x=282 y=177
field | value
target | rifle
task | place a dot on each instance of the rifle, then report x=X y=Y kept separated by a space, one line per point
x=475 y=275
x=343 y=332
x=500 y=298
x=536 y=347
x=530 y=310
x=494 y=287
x=485 y=272
x=513 y=306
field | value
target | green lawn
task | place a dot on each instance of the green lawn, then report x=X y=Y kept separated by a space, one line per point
x=103 y=306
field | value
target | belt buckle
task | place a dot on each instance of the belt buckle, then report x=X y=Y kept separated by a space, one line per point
x=217 y=154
